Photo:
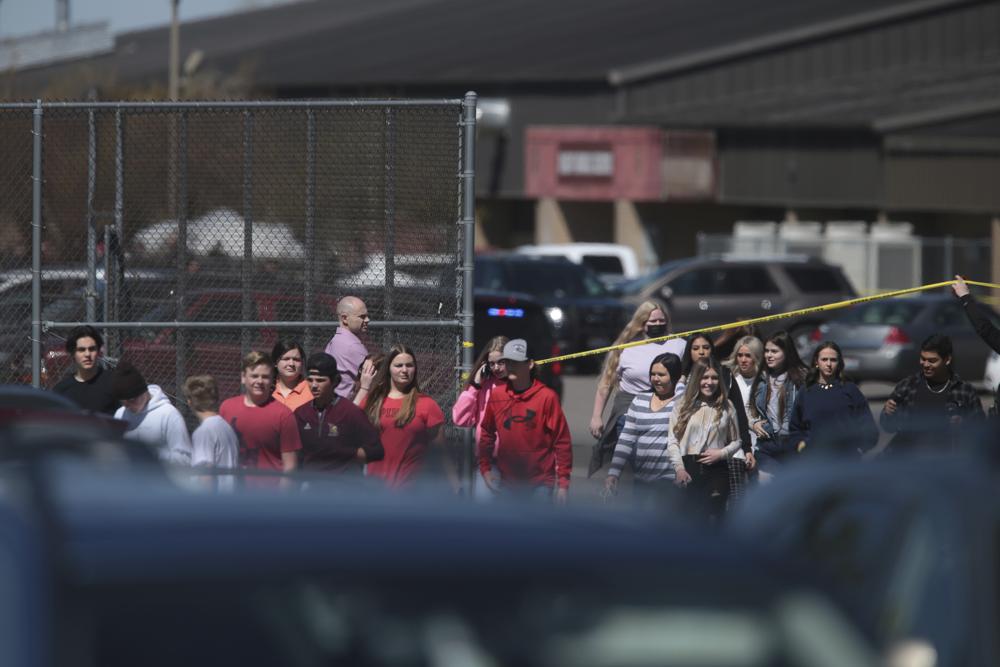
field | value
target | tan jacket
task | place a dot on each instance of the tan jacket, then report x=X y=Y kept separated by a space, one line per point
x=704 y=433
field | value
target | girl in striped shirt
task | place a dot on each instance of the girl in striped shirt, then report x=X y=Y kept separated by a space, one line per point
x=643 y=440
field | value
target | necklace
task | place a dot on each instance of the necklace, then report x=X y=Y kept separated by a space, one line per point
x=939 y=391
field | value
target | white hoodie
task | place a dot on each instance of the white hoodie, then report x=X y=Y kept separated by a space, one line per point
x=161 y=425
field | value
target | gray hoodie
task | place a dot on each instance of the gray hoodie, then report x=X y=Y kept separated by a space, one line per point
x=161 y=425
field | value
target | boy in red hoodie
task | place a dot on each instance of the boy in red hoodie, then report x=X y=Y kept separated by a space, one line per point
x=525 y=429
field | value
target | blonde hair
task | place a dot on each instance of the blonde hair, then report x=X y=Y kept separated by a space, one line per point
x=632 y=331
x=255 y=358
x=756 y=351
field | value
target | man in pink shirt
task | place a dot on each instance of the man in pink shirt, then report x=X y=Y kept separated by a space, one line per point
x=345 y=346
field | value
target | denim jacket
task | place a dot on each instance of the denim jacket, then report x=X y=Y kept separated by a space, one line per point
x=776 y=444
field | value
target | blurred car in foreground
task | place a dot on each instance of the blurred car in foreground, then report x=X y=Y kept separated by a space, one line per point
x=121 y=570
x=913 y=546
x=518 y=316
x=711 y=290
x=46 y=414
x=584 y=315
x=881 y=339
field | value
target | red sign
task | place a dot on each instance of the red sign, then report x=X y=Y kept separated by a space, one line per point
x=604 y=163
x=593 y=163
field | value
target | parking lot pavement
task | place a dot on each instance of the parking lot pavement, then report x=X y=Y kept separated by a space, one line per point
x=578 y=401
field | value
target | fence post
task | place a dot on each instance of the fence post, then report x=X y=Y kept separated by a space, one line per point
x=91 y=296
x=36 y=246
x=468 y=226
x=180 y=161
x=949 y=257
x=310 y=231
x=247 y=265
x=390 y=216
x=112 y=284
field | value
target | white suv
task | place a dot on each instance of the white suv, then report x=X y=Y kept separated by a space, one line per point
x=612 y=262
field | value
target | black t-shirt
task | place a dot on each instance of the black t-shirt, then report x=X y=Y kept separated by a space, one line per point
x=94 y=394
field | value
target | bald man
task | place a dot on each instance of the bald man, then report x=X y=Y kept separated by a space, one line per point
x=345 y=346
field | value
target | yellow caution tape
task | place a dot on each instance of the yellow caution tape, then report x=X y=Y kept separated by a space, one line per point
x=761 y=320
x=466 y=343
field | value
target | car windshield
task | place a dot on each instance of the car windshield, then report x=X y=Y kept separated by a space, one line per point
x=894 y=312
x=637 y=285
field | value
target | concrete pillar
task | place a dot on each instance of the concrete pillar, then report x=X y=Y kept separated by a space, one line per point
x=995 y=257
x=482 y=240
x=628 y=230
x=550 y=222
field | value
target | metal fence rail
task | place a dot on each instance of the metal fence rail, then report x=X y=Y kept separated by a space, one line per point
x=193 y=232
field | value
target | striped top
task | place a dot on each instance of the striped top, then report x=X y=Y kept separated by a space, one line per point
x=643 y=440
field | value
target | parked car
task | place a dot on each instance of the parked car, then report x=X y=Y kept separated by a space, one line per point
x=991 y=374
x=881 y=339
x=583 y=313
x=64 y=299
x=707 y=291
x=518 y=316
x=612 y=262
x=912 y=545
x=215 y=351
x=115 y=570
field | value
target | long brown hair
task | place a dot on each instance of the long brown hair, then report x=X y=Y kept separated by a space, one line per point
x=383 y=383
x=494 y=344
x=632 y=331
x=692 y=400
x=793 y=366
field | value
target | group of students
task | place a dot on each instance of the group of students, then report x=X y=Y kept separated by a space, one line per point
x=340 y=410
x=708 y=417
x=696 y=419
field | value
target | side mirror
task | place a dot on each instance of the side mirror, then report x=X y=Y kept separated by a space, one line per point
x=667 y=292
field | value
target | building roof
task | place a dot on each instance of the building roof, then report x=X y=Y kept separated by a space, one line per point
x=457 y=42
x=625 y=47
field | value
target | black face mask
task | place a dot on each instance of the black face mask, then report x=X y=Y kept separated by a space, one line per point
x=656 y=330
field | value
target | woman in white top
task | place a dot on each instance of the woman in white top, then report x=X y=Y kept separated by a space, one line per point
x=703 y=436
x=627 y=373
x=743 y=365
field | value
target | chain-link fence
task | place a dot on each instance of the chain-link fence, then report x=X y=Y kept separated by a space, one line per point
x=195 y=232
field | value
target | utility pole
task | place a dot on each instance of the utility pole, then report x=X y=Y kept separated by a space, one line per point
x=173 y=84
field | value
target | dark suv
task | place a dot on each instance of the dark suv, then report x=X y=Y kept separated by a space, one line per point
x=707 y=291
x=518 y=316
x=583 y=313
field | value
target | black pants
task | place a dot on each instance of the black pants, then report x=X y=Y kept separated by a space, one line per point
x=709 y=488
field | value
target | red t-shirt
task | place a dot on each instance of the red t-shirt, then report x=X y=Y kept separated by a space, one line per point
x=264 y=432
x=405 y=447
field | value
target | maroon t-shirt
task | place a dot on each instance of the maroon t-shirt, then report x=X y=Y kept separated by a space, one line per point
x=264 y=432
x=331 y=439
